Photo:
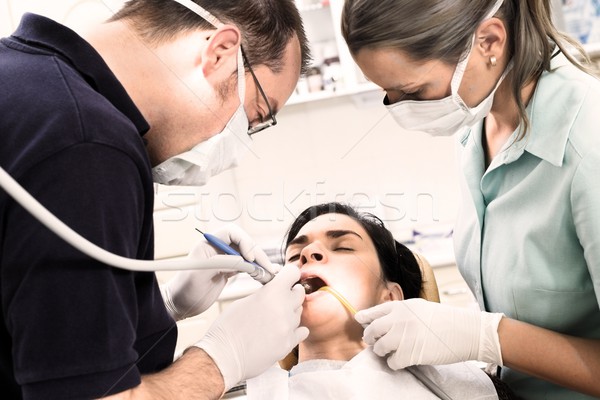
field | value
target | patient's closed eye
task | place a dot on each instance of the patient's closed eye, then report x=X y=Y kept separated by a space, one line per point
x=344 y=243
x=296 y=257
x=343 y=249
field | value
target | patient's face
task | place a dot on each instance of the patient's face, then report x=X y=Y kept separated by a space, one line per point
x=334 y=250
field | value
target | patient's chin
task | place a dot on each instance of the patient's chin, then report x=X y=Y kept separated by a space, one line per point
x=314 y=321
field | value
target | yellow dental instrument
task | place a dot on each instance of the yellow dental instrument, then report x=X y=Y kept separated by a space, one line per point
x=340 y=298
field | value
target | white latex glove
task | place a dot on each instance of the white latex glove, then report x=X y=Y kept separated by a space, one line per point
x=191 y=292
x=419 y=332
x=255 y=332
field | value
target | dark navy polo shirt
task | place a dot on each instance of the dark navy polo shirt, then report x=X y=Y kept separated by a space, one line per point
x=73 y=328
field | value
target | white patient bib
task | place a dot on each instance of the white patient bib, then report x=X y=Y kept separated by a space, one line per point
x=367 y=376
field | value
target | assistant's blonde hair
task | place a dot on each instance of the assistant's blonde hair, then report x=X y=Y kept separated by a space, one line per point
x=442 y=30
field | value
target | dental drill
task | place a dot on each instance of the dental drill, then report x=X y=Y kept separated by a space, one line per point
x=232 y=261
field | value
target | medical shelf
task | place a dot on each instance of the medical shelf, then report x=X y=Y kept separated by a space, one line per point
x=333 y=72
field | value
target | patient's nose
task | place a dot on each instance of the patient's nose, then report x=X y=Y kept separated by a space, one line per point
x=312 y=253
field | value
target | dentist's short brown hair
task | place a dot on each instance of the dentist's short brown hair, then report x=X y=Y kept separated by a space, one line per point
x=267 y=26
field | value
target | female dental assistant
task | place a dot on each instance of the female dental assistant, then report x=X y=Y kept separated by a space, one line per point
x=527 y=238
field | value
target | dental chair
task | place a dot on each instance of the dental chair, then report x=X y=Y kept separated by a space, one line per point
x=429 y=291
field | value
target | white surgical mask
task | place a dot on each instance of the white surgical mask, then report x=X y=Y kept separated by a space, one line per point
x=446 y=116
x=220 y=152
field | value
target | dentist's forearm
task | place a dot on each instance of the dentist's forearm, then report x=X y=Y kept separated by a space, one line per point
x=194 y=376
x=564 y=360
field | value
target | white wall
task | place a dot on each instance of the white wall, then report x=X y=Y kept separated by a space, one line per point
x=336 y=149
x=320 y=151
x=347 y=149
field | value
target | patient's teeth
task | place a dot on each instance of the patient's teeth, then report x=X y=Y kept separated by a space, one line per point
x=307 y=287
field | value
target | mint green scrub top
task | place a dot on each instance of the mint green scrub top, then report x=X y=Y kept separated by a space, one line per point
x=527 y=238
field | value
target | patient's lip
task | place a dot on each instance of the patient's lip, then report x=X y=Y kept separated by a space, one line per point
x=304 y=275
x=311 y=282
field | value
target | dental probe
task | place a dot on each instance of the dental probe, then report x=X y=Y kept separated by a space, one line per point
x=259 y=274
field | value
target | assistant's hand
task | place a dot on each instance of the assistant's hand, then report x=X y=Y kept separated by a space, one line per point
x=417 y=332
x=255 y=332
x=191 y=292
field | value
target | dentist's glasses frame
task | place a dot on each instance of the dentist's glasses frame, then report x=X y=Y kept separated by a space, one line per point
x=267 y=123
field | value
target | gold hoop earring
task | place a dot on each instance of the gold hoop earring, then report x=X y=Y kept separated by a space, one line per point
x=493 y=61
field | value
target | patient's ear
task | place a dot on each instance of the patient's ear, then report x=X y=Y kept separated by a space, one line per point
x=393 y=291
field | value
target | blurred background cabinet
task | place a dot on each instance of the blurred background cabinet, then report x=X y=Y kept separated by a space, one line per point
x=581 y=19
x=333 y=71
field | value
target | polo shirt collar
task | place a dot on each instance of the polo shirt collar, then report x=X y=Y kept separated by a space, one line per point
x=551 y=116
x=44 y=33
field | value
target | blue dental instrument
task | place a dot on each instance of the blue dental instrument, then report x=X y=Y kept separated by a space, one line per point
x=259 y=274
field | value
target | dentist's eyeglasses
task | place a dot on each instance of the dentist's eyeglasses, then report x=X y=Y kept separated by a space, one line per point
x=270 y=121
x=214 y=21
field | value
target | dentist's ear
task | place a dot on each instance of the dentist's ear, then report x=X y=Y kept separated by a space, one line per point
x=219 y=57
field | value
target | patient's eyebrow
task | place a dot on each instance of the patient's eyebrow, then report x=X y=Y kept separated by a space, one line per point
x=339 y=233
x=334 y=234
x=302 y=239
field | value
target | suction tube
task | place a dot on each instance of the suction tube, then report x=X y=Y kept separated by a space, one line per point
x=225 y=262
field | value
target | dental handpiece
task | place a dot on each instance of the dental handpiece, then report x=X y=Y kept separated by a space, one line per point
x=259 y=274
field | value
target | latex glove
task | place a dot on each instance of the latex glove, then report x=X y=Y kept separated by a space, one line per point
x=255 y=332
x=191 y=292
x=417 y=332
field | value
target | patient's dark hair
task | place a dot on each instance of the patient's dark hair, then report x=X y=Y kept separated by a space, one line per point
x=398 y=263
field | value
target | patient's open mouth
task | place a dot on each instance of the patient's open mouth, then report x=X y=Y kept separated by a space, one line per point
x=312 y=284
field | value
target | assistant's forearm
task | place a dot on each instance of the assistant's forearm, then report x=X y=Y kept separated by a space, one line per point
x=564 y=360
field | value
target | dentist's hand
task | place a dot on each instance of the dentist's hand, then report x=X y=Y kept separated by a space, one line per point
x=191 y=292
x=255 y=332
x=417 y=332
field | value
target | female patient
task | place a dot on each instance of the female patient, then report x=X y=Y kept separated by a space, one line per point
x=355 y=255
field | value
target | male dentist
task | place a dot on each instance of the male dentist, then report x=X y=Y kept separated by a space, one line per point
x=166 y=91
